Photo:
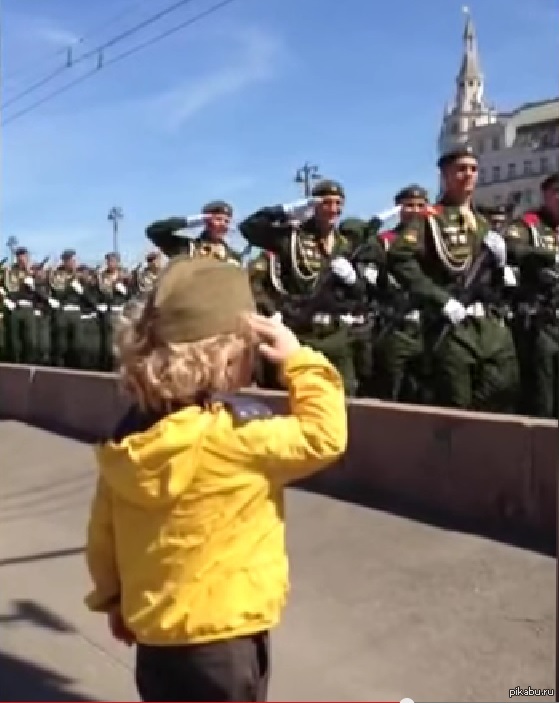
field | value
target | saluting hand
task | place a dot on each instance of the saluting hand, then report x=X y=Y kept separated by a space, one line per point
x=276 y=342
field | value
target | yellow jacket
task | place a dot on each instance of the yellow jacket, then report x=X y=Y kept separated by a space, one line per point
x=187 y=526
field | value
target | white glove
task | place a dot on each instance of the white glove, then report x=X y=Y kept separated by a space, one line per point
x=509 y=277
x=54 y=303
x=28 y=280
x=342 y=268
x=495 y=242
x=299 y=208
x=370 y=274
x=557 y=259
x=10 y=304
x=77 y=286
x=454 y=311
x=196 y=220
x=121 y=288
x=102 y=307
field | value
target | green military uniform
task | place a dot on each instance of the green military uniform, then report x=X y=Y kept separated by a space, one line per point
x=114 y=293
x=497 y=215
x=91 y=319
x=475 y=364
x=43 y=315
x=67 y=291
x=301 y=257
x=19 y=314
x=399 y=352
x=533 y=250
x=171 y=235
x=144 y=277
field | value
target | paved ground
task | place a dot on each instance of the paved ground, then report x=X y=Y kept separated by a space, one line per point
x=382 y=607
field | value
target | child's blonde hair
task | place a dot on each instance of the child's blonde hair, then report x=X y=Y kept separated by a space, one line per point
x=159 y=374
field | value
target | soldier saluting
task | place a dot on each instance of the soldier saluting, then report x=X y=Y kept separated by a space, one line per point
x=475 y=363
x=172 y=237
x=533 y=250
x=21 y=330
x=304 y=240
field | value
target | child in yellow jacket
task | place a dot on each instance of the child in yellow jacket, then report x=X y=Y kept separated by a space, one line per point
x=186 y=539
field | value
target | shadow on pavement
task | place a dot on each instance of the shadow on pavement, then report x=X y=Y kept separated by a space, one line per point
x=21 y=680
x=28 y=558
x=35 y=614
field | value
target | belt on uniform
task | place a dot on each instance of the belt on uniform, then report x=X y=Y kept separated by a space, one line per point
x=24 y=303
x=325 y=319
x=476 y=310
x=71 y=308
x=88 y=315
x=413 y=316
x=116 y=308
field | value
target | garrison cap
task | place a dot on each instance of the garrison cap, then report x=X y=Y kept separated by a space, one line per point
x=456 y=152
x=550 y=182
x=411 y=191
x=199 y=298
x=68 y=254
x=21 y=251
x=328 y=187
x=218 y=207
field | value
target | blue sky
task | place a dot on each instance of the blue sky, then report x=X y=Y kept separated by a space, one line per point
x=232 y=105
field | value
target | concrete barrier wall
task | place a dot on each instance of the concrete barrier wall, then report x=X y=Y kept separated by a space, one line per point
x=494 y=471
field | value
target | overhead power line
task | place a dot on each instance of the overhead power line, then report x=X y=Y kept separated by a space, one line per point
x=119 y=57
x=97 y=51
x=88 y=34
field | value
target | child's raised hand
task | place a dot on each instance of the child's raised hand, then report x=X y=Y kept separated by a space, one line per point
x=276 y=342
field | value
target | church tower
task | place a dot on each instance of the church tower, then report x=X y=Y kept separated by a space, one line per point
x=469 y=109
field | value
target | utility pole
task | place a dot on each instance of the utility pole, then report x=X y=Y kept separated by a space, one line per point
x=114 y=216
x=306 y=175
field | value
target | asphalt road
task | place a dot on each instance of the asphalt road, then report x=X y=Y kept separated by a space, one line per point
x=382 y=607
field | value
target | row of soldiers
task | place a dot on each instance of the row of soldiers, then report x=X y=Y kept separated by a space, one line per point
x=64 y=315
x=456 y=306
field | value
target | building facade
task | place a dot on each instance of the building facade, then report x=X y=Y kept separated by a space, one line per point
x=516 y=150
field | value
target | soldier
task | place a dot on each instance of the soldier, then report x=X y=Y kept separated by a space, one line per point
x=305 y=248
x=171 y=235
x=144 y=277
x=113 y=287
x=497 y=215
x=19 y=315
x=474 y=356
x=43 y=312
x=532 y=243
x=3 y=294
x=399 y=354
x=67 y=290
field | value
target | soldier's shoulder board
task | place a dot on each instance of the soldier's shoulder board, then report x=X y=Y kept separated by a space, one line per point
x=243 y=409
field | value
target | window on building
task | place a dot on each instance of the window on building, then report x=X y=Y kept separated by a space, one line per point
x=527 y=168
x=544 y=165
x=498 y=199
x=482 y=175
x=480 y=146
x=528 y=197
x=454 y=129
x=496 y=173
x=496 y=143
x=512 y=171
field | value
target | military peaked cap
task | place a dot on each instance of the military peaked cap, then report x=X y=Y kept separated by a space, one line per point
x=112 y=255
x=218 y=207
x=68 y=254
x=550 y=182
x=21 y=251
x=456 y=152
x=411 y=191
x=327 y=187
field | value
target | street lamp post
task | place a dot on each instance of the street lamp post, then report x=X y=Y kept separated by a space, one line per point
x=306 y=175
x=114 y=216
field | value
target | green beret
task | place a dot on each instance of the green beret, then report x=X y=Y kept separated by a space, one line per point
x=411 y=191
x=218 y=207
x=198 y=298
x=352 y=227
x=550 y=182
x=326 y=187
x=68 y=254
x=21 y=251
x=454 y=153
